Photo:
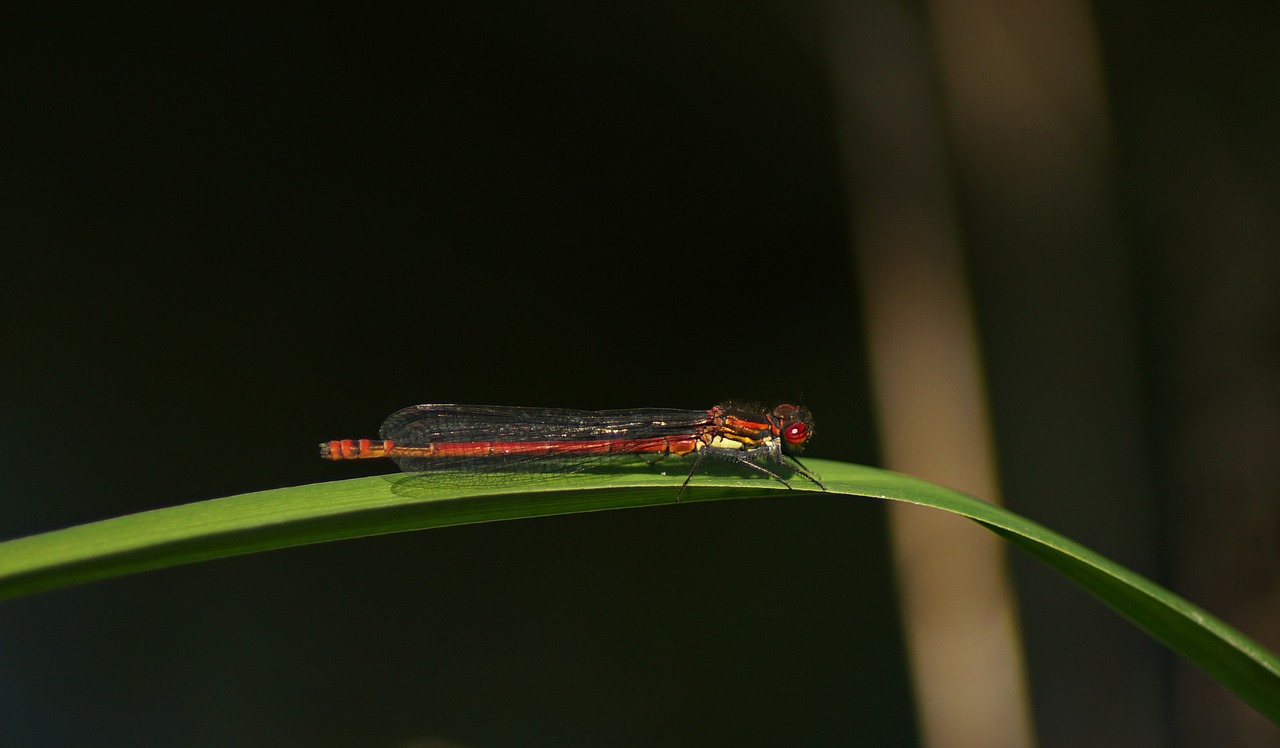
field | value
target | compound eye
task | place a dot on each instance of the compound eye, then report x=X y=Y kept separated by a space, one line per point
x=796 y=433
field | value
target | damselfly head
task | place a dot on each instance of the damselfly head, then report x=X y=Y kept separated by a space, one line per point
x=795 y=426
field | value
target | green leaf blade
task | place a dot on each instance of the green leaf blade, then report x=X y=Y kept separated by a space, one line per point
x=286 y=517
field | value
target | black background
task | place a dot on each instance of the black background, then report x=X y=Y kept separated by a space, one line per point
x=233 y=234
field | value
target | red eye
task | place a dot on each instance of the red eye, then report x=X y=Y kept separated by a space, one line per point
x=796 y=433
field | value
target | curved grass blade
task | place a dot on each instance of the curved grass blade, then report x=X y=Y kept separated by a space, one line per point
x=369 y=506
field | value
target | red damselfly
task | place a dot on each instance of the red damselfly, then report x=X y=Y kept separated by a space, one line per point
x=484 y=440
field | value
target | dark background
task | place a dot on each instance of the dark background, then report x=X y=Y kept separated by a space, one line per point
x=231 y=235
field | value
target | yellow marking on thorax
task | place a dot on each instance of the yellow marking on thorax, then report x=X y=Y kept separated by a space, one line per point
x=741 y=443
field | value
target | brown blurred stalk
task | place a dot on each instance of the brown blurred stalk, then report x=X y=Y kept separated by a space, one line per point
x=958 y=608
